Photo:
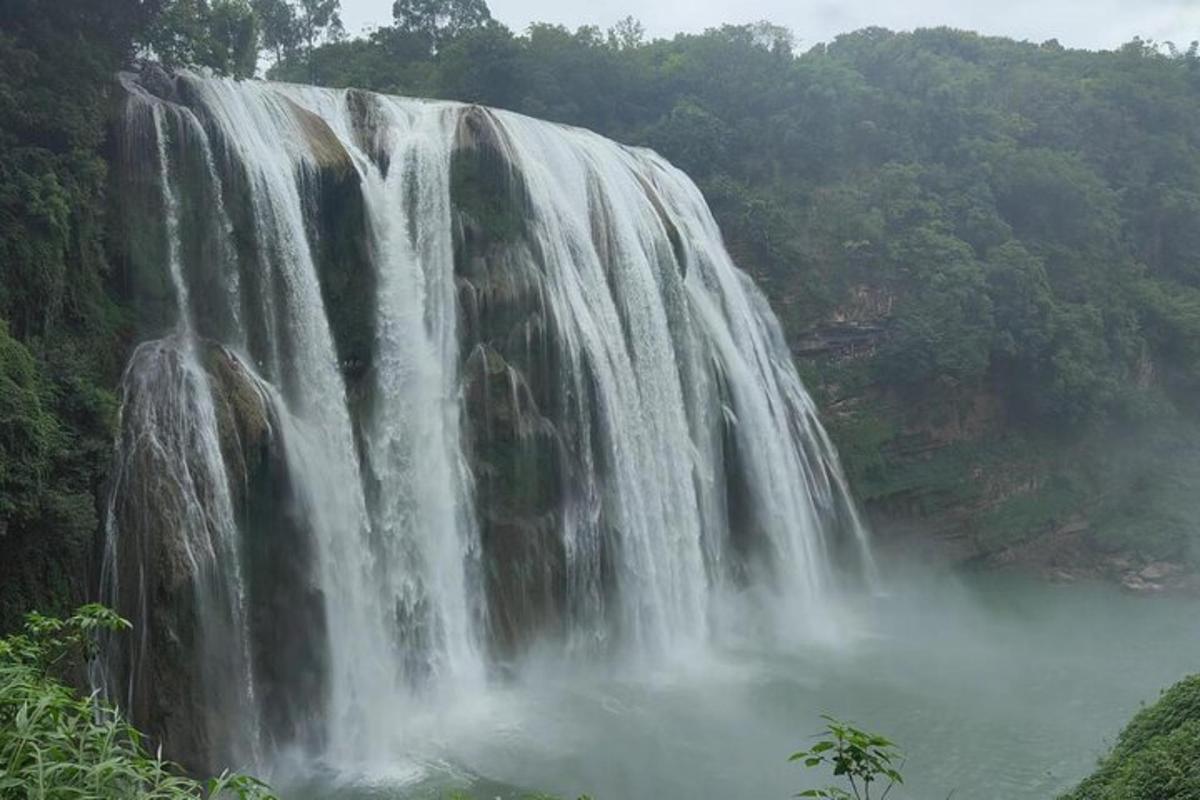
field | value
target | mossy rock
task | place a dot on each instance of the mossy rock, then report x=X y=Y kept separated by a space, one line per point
x=338 y=233
x=324 y=147
x=487 y=191
x=243 y=417
x=365 y=117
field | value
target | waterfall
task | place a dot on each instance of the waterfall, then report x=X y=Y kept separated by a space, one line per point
x=424 y=385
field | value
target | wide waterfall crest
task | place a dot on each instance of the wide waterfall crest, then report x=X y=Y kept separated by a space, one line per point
x=425 y=385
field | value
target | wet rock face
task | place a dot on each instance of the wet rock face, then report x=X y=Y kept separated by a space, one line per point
x=185 y=689
x=162 y=571
x=157 y=80
x=509 y=437
x=202 y=490
x=238 y=254
x=287 y=609
x=337 y=230
x=369 y=132
x=517 y=461
x=243 y=418
x=518 y=420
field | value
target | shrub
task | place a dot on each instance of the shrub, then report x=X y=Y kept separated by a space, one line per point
x=1157 y=755
x=56 y=744
x=858 y=757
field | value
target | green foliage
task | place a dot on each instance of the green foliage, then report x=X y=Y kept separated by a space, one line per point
x=438 y=20
x=60 y=329
x=698 y=139
x=317 y=20
x=1156 y=756
x=222 y=35
x=55 y=744
x=537 y=796
x=948 y=328
x=292 y=29
x=30 y=435
x=277 y=26
x=858 y=757
x=861 y=440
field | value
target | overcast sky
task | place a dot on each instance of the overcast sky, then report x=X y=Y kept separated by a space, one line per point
x=1076 y=23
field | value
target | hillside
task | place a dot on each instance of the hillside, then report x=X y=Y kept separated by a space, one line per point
x=1156 y=756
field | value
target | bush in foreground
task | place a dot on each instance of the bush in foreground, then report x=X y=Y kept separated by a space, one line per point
x=858 y=758
x=55 y=744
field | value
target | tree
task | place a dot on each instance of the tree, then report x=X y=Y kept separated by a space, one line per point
x=627 y=34
x=221 y=35
x=693 y=137
x=318 y=21
x=233 y=38
x=279 y=27
x=482 y=65
x=440 y=20
x=59 y=349
x=776 y=38
x=945 y=329
x=294 y=29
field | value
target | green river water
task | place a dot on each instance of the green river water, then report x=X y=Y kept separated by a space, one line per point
x=994 y=686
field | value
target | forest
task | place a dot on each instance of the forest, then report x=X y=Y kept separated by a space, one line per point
x=984 y=253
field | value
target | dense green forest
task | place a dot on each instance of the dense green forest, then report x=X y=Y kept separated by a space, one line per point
x=62 y=332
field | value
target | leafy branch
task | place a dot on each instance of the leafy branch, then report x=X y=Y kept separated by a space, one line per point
x=863 y=759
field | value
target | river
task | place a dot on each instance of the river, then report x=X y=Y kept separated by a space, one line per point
x=994 y=686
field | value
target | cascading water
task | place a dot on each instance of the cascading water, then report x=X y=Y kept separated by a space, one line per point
x=435 y=384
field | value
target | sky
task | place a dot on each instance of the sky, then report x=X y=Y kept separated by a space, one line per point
x=1092 y=24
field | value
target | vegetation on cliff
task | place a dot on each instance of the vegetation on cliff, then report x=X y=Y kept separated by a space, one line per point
x=1156 y=756
x=61 y=329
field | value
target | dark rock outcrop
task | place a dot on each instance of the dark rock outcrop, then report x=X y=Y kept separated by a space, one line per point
x=520 y=414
